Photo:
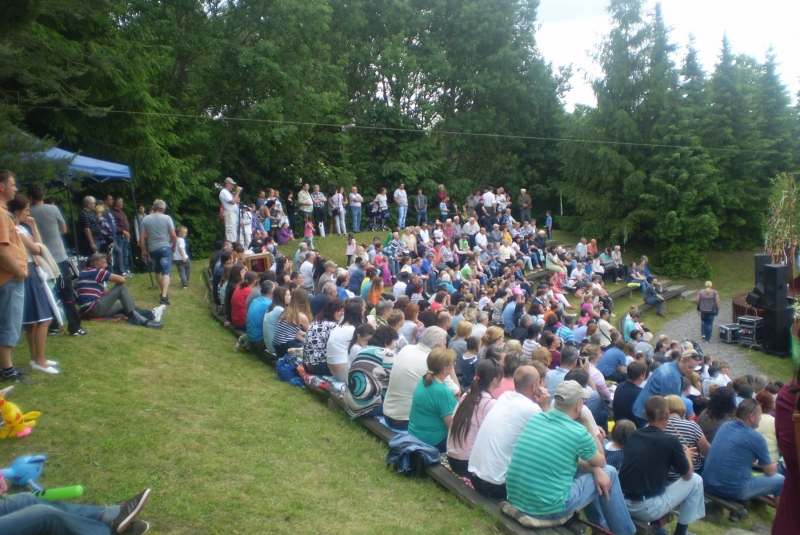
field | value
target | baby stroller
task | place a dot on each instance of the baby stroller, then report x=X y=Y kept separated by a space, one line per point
x=379 y=219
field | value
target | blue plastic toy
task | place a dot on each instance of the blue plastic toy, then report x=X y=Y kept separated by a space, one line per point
x=25 y=471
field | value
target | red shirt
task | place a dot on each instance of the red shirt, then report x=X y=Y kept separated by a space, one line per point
x=238 y=305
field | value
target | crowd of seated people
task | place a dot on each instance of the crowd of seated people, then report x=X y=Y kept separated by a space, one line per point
x=447 y=342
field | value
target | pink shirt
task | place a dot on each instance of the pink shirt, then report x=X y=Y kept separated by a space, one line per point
x=465 y=448
x=506 y=385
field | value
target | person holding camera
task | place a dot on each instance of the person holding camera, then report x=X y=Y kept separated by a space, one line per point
x=230 y=208
x=570 y=360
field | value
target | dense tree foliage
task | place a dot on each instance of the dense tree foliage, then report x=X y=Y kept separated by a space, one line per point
x=187 y=92
x=676 y=159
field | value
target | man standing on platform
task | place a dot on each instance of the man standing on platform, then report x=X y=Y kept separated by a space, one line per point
x=230 y=207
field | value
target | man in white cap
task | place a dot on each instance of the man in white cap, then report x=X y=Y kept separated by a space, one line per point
x=524 y=203
x=550 y=482
x=230 y=206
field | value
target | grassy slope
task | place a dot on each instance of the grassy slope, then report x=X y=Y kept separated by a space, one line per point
x=226 y=447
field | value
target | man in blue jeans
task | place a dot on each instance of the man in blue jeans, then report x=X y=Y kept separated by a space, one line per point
x=729 y=465
x=13 y=272
x=558 y=467
x=158 y=242
x=25 y=514
x=355 y=208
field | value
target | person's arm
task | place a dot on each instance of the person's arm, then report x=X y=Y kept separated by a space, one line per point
x=173 y=238
x=304 y=321
x=236 y=195
x=30 y=245
x=62 y=228
x=448 y=420
x=703 y=445
x=8 y=261
x=689 y=453
x=116 y=279
x=88 y=233
x=184 y=259
x=142 y=243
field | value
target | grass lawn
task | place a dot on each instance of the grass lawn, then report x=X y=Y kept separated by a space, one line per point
x=227 y=448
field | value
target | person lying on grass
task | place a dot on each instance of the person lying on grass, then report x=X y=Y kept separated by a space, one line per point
x=26 y=514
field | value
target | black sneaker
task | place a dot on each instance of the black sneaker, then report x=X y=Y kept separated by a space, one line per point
x=17 y=378
x=164 y=300
x=128 y=512
x=79 y=332
x=138 y=527
x=54 y=331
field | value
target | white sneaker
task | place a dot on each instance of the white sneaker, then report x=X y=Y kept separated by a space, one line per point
x=51 y=370
x=158 y=312
x=49 y=362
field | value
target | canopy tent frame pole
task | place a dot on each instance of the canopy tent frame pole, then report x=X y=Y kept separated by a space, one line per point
x=136 y=222
x=72 y=218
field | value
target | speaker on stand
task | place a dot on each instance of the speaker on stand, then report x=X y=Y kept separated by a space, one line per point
x=761 y=261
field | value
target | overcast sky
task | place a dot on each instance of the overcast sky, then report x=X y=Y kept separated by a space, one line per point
x=571 y=29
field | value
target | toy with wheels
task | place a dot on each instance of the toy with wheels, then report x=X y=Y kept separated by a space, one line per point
x=16 y=423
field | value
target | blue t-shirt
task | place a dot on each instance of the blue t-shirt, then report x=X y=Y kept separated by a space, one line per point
x=610 y=360
x=255 y=318
x=628 y=327
x=508 y=316
x=730 y=460
x=548 y=222
x=666 y=380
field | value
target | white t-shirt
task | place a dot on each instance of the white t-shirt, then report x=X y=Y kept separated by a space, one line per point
x=409 y=367
x=355 y=200
x=226 y=198
x=401 y=197
x=481 y=240
x=498 y=434
x=424 y=236
x=338 y=342
x=307 y=271
x=381 y=201
x=181 y=246
x=399 y=289
x=489 y=199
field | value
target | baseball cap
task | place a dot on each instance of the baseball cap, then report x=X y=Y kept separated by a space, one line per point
x=570 y=392
x=690 y=352
x=229 y=180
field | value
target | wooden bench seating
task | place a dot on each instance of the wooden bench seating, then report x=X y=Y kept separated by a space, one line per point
x=437 y=472
x=669 y=293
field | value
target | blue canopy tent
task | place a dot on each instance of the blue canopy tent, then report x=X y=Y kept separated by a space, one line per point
x=89 y=169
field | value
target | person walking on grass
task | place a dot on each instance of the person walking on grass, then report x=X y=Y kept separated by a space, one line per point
x=159 y=242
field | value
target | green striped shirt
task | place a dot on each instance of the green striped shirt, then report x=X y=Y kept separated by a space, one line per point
x=545 y=461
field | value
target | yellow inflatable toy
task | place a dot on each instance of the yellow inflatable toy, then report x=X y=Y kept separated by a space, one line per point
x=16 y=423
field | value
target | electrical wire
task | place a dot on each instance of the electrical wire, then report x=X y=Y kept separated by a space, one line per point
x=346 y=127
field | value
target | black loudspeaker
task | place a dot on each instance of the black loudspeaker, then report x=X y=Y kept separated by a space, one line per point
x=778 y=330
x=775 y=286
x=756 y=297
x=761 y=261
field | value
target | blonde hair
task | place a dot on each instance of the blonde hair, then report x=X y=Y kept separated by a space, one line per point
x=513 y=346
x=542 y=355
x=464 y=329
x=182 y=229
x=492 y=335
x=709 y=284
x=676 y=405
x=438 y=359
x=298 y=305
